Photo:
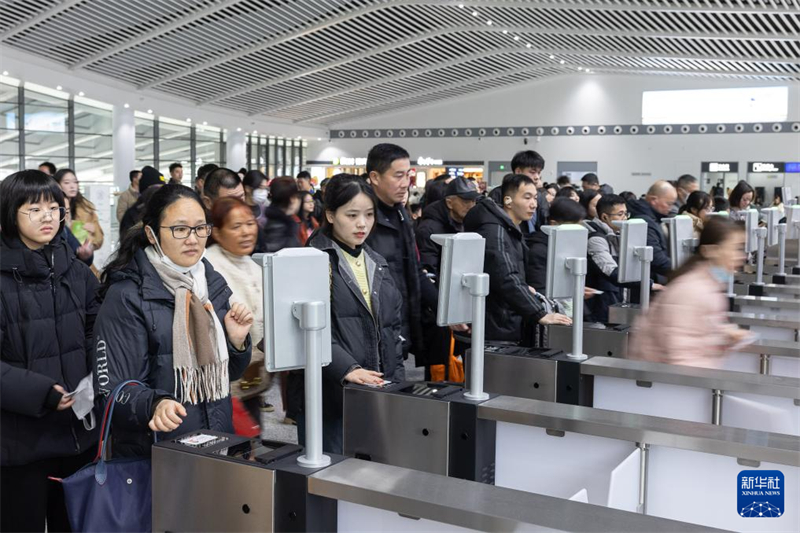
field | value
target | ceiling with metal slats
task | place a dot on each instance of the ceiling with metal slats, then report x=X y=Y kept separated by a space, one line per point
x=333 y=61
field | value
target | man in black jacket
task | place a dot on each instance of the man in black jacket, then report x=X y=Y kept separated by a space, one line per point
x=392 y=237
x=653 y=209
x=510 y=299
x=444 y=216
x=531 y=164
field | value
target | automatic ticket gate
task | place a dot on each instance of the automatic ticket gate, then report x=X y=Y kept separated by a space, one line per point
x=430 y=427
x=211 y=481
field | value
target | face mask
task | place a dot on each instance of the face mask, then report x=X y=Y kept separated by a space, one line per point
x=169 y=262
x=84 y=402
x=720 y=274
x=260 y=196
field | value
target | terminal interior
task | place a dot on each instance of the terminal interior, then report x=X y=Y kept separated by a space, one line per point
x=660 y=400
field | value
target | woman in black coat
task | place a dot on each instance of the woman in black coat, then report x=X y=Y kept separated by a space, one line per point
x=281 y=230
x=366 y=308
x=47 y=312
x=166 y=321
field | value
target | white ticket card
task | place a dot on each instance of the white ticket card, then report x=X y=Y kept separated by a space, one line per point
x=198 y=440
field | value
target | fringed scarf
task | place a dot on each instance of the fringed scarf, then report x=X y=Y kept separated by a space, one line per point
x=199 y=347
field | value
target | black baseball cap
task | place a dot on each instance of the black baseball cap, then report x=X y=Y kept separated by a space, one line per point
x=462 y=188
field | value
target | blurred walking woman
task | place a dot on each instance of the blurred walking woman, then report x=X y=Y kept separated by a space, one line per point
x=82 y=217
x=166 y=321
x=47 y=311
x=686 y=324
x=365 y=303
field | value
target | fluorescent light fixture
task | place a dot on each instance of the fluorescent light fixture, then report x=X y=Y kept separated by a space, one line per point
x=701 y=106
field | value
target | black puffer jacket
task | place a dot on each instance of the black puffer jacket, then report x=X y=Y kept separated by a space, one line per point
x=358 y=337
x=133 y=340
x=536 y=268
x=661 y=265
x=392 y=237
x=47 y=311
x=510 y=300
x=280 y=231
x=435 y=219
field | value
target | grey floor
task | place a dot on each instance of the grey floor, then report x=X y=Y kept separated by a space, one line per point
x=277 y=430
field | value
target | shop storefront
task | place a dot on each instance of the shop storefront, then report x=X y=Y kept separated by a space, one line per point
x=768 y=177
x=720 y=176
x=424 y=168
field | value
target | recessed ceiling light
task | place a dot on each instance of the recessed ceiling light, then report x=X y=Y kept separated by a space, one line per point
x=580 y=68
x=255 y=131
x=205 y=123
x=238 y=129
x=562 y=61
x=516 y=37
x=5 y=73
x=528 y=45
x=188 y=120
x=126 y=106
x=488 y=22
x=319 y=138
x=505 y=32
x=474 y=13
x=461 y=6
x=80 y=93
x=552 y=56
x=58 y=87
x=149 y=111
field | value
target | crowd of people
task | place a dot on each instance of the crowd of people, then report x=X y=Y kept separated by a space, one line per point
x=179 y=306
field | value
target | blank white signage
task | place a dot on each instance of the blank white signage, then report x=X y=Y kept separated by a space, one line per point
x=700 y=106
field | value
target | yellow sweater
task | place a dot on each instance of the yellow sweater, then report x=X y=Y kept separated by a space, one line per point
x=358 y=265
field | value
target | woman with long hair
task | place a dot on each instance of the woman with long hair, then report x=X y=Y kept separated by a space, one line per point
x=740 y=199
x=365 y=304
x=82 y=217
x=305 y=217
x=281 y=230
x=48 y=306
x=166 y=320
x=698 y=206
x=687 y=323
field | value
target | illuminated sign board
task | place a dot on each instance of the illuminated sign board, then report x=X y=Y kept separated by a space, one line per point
x=429 y=162
x=730 y=166
x=791 y=168
x=765 y=168
x=349 y=161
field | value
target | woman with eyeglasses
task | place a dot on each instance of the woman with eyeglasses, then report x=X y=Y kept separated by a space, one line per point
x=166 y=321
x=47 y=312
x=698 y=206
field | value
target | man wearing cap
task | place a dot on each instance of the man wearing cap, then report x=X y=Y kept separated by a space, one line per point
x=444 y=216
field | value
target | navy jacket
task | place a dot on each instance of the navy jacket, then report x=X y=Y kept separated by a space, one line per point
x=133 y=340
x=661 y=265
x=48 y=305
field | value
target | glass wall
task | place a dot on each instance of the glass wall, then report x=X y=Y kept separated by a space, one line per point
x=145 y=125
x=93 y=146
x=276 y=156
x=9 y=128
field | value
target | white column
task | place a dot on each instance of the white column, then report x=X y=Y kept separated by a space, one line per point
x=237 y=150
x=124 y=143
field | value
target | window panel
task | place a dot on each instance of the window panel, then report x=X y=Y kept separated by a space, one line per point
x=46 y=145
x=42 y=118
x=9 y=107
x=35 y=161
x=170 y=130
x=91 y=170
x=145 y=127
x=8 y=165
x=94 y=146
x=93 y=120
x=9 y=142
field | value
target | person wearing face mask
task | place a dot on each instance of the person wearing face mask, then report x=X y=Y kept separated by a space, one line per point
x=687 y=323
x=166 y=320
x=256 y=192
x=365 y=304
x=511 y=300
x=48 y=306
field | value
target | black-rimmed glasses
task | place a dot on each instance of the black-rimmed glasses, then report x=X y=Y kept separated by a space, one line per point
x=181 y=231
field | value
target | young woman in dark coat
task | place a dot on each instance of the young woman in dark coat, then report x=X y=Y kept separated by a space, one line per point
x=166 y=321
x=47 y=311
x=366 y=307
x=281 y=230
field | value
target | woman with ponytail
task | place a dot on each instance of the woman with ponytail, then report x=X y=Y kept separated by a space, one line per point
x=166 y=321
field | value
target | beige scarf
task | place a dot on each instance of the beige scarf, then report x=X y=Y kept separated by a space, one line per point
x=199 y=346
